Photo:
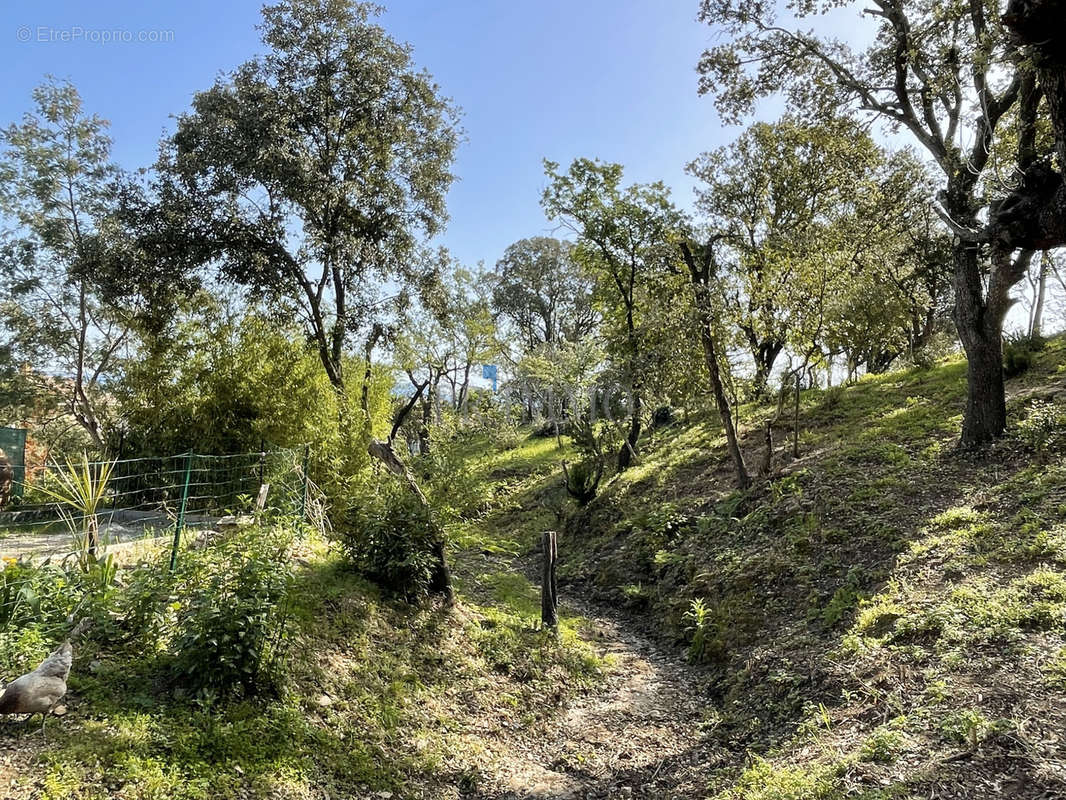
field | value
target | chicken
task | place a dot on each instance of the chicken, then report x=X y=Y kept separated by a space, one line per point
x=39 y=691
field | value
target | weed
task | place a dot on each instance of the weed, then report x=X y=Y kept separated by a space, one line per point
x=971 y=727
x=882 y=747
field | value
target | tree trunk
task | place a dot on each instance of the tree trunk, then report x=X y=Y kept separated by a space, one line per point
x=1041 y=291
x=464 y=390
x=711 y=357
x=629 y=446
x=986 y=408
x=796 y=418
x=981 y=335
x=423 y=427
x=701 y=273
x=764 y=354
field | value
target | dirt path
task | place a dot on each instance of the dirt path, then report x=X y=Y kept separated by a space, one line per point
x=641 y=736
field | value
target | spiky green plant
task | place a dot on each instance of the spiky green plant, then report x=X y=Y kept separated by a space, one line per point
x=80 y=488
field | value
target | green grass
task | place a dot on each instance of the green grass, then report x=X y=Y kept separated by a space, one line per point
x=885 y=618
x=884 y=575
x=381 y=697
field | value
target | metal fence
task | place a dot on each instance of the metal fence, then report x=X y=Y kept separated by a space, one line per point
x=148 y=498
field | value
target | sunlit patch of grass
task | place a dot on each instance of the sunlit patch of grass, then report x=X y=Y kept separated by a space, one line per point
x=765 y=781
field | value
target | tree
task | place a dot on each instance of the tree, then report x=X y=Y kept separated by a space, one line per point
x=542 y=292
x=898 y=289
x=948 y=74
x=702 y=265
x=312 y=174
x=773 y=191
x=1039 y=284
x=624 y=238
x=444 y=345
x=57 y=189
x=472 y=328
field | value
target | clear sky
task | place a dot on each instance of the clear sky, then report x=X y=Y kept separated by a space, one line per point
x=613 y=79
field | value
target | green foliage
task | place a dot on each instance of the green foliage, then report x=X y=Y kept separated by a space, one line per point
x=58 y=194
x=883 y=747
x=223 y=384
x=80 y=490
x=1044 y=426
x=765 y=781
x=389 y=537
x=583 y=480
x=230 y=606
x=217 y=625
x=325 y=133
x=846 y=598
x=542 y=292
x=970 y=727
x=32 y=594
x=703 y=627
x=1019 y=353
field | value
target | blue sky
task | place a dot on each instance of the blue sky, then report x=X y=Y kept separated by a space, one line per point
x=613 y=79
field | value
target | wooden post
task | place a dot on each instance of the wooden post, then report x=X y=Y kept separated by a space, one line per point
x=549 y=597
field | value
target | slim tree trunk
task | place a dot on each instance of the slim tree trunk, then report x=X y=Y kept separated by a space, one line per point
x=720 y=399
x=1041 y=290
x=701 y=272
x=629 y=446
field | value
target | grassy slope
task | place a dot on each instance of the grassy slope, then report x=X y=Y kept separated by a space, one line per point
x=885 y=618
x=385 y=699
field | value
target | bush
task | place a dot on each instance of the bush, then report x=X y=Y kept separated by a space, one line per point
x=1019 y=353
x=663 y=417
x=704 y=630
x=230 y=604
x=583 y=479
x=546 y=429
x=1043 y=427
x=389 y=537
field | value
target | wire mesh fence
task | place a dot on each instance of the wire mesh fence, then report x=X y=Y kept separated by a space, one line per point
x=148 y=498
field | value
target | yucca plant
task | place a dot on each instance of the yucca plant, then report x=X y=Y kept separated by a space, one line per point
x=79 y=489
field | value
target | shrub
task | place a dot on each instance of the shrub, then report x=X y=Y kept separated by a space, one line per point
x=583 y=479
x=663 y=417
x=883 y=747
x=389 y=537
x=703 y=626
x=230 y=613
x=1019 y=353
x=1043 y=427
x=36 y=594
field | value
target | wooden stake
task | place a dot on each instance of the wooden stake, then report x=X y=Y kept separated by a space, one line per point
x=549 y=597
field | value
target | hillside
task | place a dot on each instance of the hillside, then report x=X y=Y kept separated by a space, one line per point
x=883 y=618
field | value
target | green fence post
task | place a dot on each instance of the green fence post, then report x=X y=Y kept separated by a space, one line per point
x=303 y=499
x=181 y=512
